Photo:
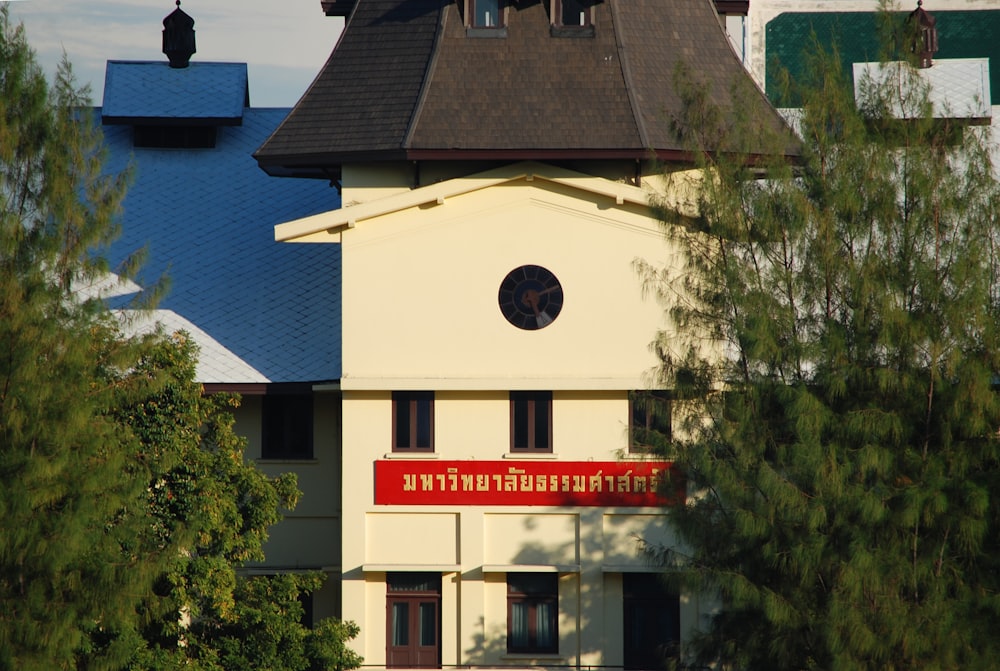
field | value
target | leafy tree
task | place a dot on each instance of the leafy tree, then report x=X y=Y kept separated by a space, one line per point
x=841 y=437
x=213 y=508
x=125 y=503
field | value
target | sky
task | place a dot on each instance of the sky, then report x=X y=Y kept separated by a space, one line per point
x=283 y=42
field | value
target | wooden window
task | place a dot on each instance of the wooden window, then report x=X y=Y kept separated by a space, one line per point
x=413 y=620
x=532 y=612
x=651 y=622
x=571 y=13
x=287 y=426
x=650 y=423
x=485 y=13
x=413 y=421
x=531 y=421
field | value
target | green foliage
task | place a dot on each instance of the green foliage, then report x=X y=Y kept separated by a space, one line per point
x=842 y=441
x=213 y=508
x=126 y=503
x=61 y=570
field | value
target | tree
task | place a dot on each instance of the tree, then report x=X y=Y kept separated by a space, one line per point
x=60 y=571
x=125 y=500
x=841 y=440
x=211 y=509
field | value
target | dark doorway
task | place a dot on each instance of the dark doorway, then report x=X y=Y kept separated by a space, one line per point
x=651 y=622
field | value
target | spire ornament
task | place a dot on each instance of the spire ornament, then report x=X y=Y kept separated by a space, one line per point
x=178 y=37
x=925 y=41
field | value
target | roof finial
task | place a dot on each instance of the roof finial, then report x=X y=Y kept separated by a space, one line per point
x=178 y=37
x=925 y=42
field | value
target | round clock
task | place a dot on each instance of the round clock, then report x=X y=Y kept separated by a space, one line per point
x=530 y=297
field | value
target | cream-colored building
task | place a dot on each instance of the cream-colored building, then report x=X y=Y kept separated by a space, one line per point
x=960 y=60
x=435 y=377
x=496 y=162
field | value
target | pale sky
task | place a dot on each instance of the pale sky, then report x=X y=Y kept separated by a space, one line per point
x=283 y=42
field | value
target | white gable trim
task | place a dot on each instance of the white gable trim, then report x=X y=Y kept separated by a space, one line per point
x=327 y=226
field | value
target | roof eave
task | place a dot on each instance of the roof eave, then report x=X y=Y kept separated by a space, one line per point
x=170 y=121
x=322 y=165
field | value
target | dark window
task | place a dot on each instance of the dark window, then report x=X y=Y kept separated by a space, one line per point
x=485 y=13
x=287 y=426
x=413 y=421
x=651 y=622
x=650 y=425
x=532 y=612
x=306 y=600
x=413 y=627
x=572 y=13
x=531 y=421
x=174 y=137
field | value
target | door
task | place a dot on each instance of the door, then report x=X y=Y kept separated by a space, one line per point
x=651 y=622
x=413 y=620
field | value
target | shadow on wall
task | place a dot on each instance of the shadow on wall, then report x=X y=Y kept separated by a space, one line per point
x=590 y=620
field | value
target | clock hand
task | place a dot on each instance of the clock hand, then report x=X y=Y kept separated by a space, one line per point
x=530 y=298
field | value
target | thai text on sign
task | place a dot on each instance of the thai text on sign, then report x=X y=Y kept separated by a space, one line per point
x=527 y=483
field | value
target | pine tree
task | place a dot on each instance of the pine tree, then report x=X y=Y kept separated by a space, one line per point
x=841 y=440
x=126 y=505
x=61 y=573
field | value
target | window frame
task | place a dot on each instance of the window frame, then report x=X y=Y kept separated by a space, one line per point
x=470 y=16
x=533 y=598
x=287 y=413
x=405 y=589
x=557 y=15
x=642 y=418
x=534 y=400
x=413 y=401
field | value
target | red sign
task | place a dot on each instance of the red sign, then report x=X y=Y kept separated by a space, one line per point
x=527 y=483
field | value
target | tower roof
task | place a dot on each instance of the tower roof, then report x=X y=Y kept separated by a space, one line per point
x=409 y=80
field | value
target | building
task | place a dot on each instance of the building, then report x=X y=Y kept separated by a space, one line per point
x=496 y=160
x=265 y=315
x=958 y=70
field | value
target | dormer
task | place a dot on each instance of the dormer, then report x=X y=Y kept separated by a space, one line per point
x=723 y=7
x=572 y=18
x=337 y=7
x=175 y=104
x=485 y=18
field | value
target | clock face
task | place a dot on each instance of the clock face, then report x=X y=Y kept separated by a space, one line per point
x=530 y=297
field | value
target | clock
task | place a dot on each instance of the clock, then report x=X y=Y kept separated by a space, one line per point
x=530 y=297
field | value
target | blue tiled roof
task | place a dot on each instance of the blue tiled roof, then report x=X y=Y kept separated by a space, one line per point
x=154 y=90
x=207 y=217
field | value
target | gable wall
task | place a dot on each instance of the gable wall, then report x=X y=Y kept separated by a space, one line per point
x=420 y=298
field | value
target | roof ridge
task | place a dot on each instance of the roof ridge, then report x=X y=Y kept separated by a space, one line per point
x=640 y=124
x=429 y=72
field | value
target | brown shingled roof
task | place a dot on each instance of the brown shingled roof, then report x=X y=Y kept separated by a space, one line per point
x=406 y=81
